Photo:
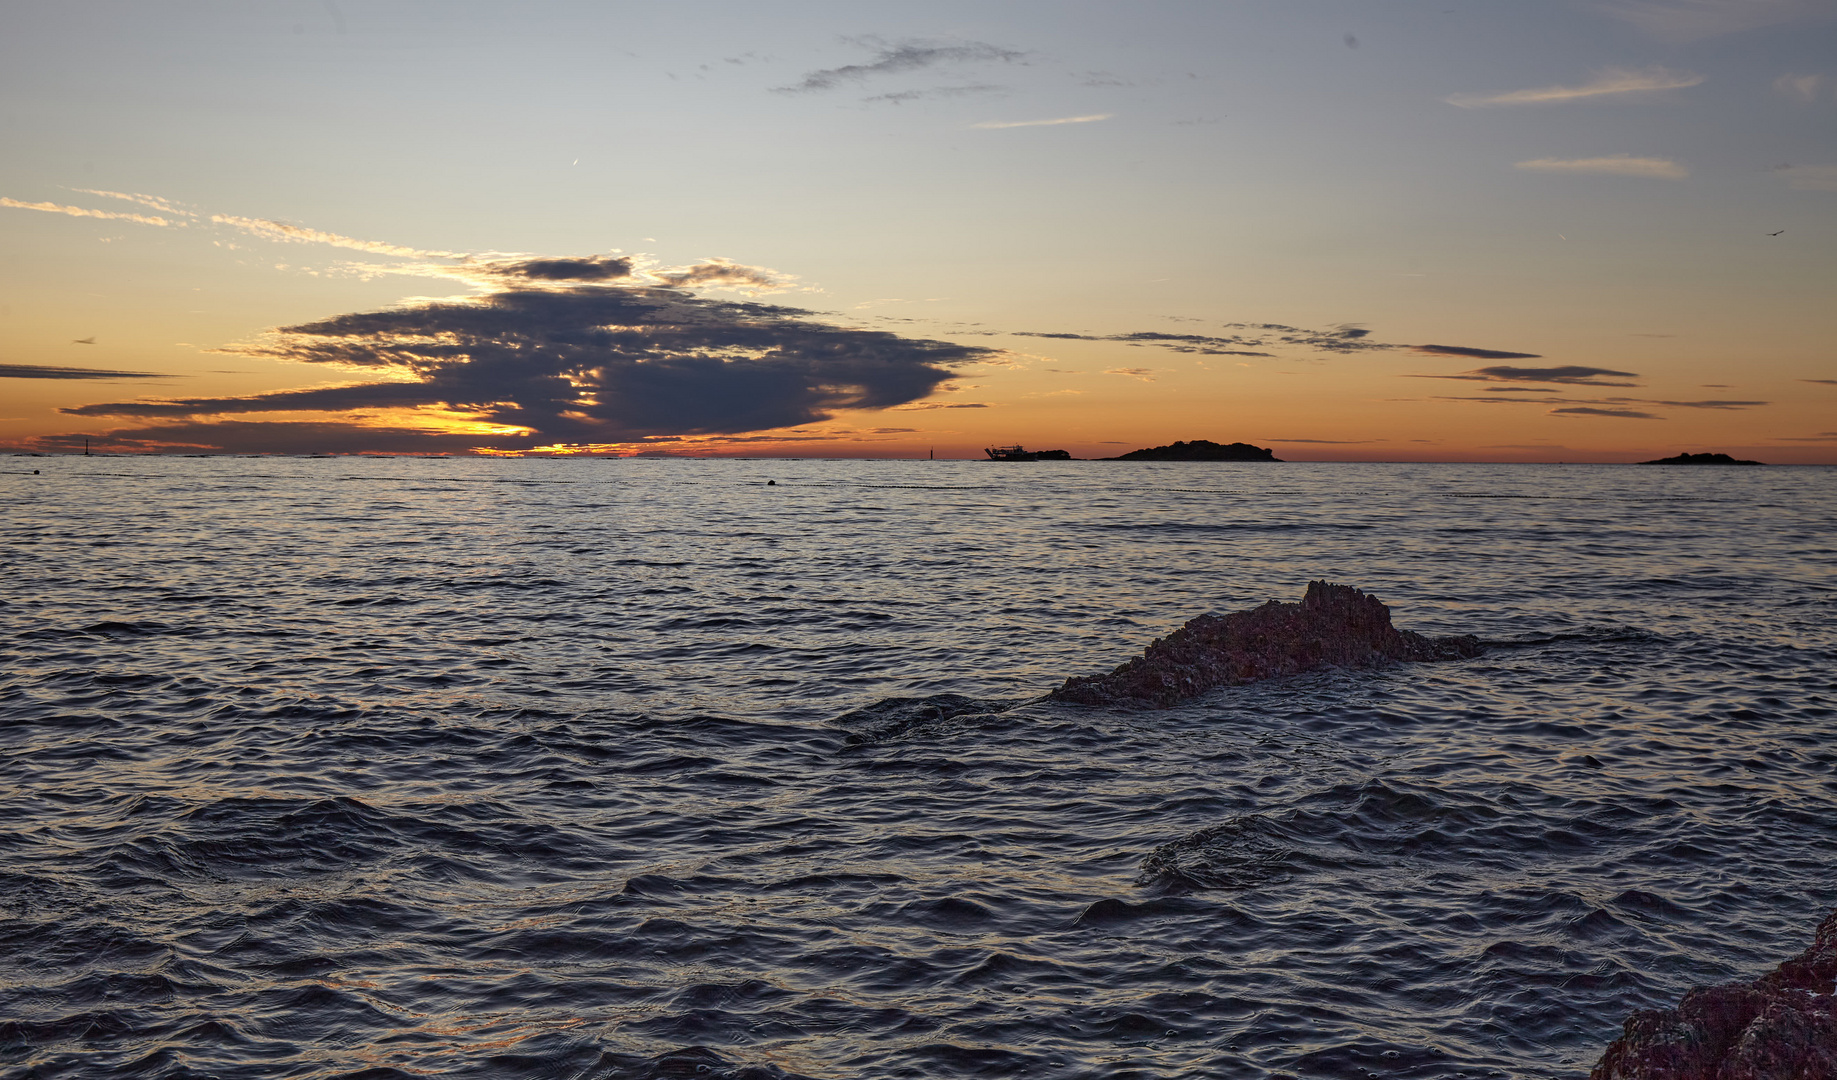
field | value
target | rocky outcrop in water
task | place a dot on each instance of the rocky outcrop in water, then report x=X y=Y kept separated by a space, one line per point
x=1781 y=1026
x=1332 y=626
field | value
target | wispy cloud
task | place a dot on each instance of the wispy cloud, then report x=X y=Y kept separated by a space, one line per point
x=282 y=232
x=1733 y=406
x=1572 y=374
x=83 y=212
x=1612 y=165
x=1810 y=177
x=1695 y=20
x=894 y=59
x=925 y=406
x=1617 y=402
x=1477 y=354
x=1806 y=88
x=262 y=228
x=1611 y=82
x=1824 y=382
x=1143 y=373
x=1342 y=339
x=1822 y=436
x=1586 y=410
x=899 y=97
x=990 y=125
x=42 y=371
x=152 y=202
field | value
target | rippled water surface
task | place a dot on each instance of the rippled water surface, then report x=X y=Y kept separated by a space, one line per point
x=474 y=768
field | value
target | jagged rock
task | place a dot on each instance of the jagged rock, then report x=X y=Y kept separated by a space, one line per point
x=1781 y=1026
x=1332 y=626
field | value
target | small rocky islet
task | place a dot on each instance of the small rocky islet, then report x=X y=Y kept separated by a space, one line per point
x=1700 y=459
x=1199 y=450
x=1332 y=626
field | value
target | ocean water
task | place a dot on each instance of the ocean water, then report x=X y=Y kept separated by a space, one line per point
x=570 y=768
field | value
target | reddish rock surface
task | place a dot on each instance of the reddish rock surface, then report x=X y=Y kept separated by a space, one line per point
x=1332 y=626
x=1781 y=1026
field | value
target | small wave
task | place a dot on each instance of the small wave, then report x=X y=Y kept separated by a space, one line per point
x=1243 y=853
x=938 y=716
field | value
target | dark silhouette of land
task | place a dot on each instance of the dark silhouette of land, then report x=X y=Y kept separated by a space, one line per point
x=1701 y=459
x=1199 y=450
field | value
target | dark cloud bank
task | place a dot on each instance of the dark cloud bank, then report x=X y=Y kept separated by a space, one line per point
x=580 y=359
x=587 y=351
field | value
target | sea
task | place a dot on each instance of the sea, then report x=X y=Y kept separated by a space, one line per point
x=393 y=768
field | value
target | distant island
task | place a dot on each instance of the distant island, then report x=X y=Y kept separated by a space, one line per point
x=1701 y=459
x=1199 y=450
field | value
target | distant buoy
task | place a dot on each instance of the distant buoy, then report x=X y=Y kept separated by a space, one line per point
x=771 y=483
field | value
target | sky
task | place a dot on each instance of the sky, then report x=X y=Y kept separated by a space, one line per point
x=1450 y=230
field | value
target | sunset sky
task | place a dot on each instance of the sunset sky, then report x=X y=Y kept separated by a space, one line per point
x=1498 y=230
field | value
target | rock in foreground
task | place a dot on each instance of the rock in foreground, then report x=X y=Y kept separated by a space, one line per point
x=1332 y=626
x=1781 y=1026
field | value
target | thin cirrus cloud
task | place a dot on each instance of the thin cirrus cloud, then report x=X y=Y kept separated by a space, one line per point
x=899 y=97
x=1650 y=168
x=1806 y=88
x=152 y=202
x=1809 y=177
x=992 y=125
x=1143 y=373
x=1612 y=82
x=1477 y=354
x=259 y=227
x=1696 y=20
x=295 y=234
x=1571 y=374
x=486 y=272
x=1588 y=410
x=1259 y=336
x=45 y=371
x=85 y=212
x=1591 y=406
x=897 y=58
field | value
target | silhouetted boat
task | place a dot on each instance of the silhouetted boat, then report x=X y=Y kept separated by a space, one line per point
x=1015 y=453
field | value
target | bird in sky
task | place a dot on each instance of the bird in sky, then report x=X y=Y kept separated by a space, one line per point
x=84 y=341
x=1776 y=233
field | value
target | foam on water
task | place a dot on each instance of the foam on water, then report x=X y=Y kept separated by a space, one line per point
x=354 y=767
